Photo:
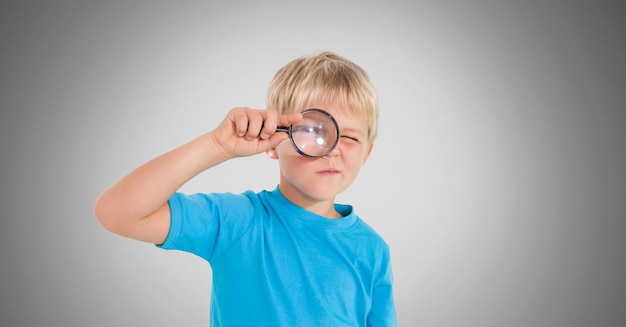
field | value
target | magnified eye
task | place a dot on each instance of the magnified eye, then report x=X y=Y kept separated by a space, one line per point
x=309 y=136
x=308 y=129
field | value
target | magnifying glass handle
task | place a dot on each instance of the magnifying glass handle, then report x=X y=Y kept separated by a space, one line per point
x=282 y=129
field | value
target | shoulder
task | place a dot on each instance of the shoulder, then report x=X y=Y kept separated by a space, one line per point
x=365 y=229
x=371 y=244
x=215 y=201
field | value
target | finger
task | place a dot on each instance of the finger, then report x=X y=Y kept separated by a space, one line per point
x=255 y=123
x=240 y=119
x=275 y=139
x=269 y=124
x=287 y=120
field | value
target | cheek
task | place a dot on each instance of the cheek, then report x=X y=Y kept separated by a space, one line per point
x=287 y=154
x=355 y=154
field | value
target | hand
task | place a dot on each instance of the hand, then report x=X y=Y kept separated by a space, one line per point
x=247 y=131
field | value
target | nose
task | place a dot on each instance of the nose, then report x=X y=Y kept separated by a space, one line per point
x=335 y=152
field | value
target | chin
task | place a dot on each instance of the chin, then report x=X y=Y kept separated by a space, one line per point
x=314 y=190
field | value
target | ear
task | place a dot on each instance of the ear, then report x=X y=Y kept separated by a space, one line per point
x=272 y=153
x=368 y=152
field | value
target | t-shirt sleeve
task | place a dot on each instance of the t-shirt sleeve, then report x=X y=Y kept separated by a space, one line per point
x=207 y=224
x=383 y=312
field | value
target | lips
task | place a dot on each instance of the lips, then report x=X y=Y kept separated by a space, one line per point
x=329 y=171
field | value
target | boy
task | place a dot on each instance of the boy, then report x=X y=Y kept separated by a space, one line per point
x=287 y=257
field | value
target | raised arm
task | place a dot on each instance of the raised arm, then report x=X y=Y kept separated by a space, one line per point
x=136 y=206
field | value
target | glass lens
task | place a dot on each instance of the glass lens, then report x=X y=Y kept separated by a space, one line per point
x=316 y=135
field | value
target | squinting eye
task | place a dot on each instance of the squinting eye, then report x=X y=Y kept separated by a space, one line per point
x=350 y=138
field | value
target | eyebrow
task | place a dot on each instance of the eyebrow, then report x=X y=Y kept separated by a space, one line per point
x=352 y=130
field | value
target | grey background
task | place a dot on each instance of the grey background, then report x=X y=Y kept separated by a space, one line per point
x=498 y=178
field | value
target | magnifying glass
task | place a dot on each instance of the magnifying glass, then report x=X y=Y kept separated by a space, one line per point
x=315 y=136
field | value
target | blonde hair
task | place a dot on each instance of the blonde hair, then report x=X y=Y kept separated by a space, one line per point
x=325 y=78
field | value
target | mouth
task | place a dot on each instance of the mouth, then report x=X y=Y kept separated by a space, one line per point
x=330 y=171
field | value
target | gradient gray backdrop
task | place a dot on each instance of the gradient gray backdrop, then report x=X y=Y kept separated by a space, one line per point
x=498 y=178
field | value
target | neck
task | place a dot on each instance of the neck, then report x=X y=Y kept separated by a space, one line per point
x=322 y=207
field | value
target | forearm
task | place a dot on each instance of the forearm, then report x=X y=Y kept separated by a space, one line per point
x=147 y=188
x=136 y=206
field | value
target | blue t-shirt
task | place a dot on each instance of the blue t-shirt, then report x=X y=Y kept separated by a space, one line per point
x=276 y=264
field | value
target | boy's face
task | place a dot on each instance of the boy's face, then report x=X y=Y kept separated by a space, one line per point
x=309 y=181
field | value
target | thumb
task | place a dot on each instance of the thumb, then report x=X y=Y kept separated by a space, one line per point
x=276 y=139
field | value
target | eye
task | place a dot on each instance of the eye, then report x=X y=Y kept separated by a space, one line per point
x=308 y=129
x=350 y=138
